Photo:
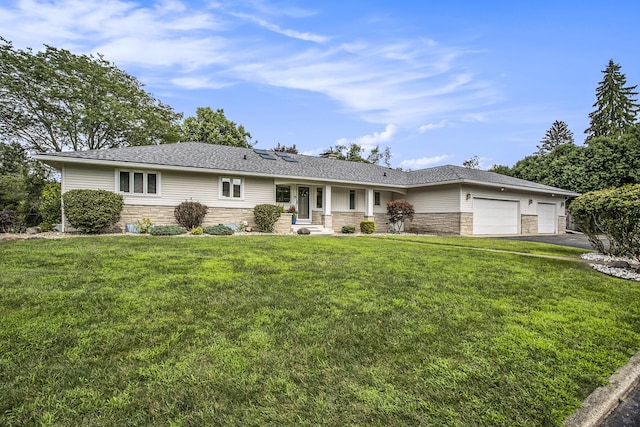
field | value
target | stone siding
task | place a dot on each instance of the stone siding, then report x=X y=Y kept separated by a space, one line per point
x=459 y=223
x=562 y=225
x=163 y=215
x=346 y=218
x=529 y=224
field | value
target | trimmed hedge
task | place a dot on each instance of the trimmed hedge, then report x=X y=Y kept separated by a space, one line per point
x=218 y=230
x=367 y=226
x=266 y=216
x=614 y=212
x=167 y=230
x=90 y=211
x=348 y=229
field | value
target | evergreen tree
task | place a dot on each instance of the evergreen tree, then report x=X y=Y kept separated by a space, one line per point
x=616 y=105
x=557 y=134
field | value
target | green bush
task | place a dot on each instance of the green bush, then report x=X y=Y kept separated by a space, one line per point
x=266 y=216
x=614 y=212
x=197 y=231
x=144 y=225
x=348 y=229
x=167 y=230
x=7 y=221
x=50 y=205
x=218 y=230
x=190 y=214
x=92 y=210
x=367 y=226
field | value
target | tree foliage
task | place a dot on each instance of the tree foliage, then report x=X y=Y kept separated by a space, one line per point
x=284 y=149
x=472 y=163
x=558 y=134
x=54 y=100
x=213 y=127
x=398 y=211
x=356 y=153
x=21 y=182
x=616 y=107
x=614 y=212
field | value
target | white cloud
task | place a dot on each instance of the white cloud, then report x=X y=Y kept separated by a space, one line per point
x=306 y=36
x=199 y=83
x=423 y=162
x=370 y=141
x=432 y=126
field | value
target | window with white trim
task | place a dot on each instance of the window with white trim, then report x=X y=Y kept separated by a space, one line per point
x=283 y=193
x=352 y=199
x=376 y=198
x=138 y=182
x=231 y=188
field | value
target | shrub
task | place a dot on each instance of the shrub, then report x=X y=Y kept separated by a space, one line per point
x=218 y=230
x=197 y=231
x=144 y=225
x=7 y=221
x=398 y=211
x=92 y=210
x=266 y=216
x=167 y=230
x=614 y=212
x=50 y=205
x=367 y=226
x=190 y=214
x=348 y=229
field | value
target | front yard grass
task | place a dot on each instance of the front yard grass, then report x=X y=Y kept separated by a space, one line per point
x=290 y=330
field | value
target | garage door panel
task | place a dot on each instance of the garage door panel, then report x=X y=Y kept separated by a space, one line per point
x=547 y=218
x=495 y=216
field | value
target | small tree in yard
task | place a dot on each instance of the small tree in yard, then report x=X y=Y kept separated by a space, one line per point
x=190 y=214
x=398 y=211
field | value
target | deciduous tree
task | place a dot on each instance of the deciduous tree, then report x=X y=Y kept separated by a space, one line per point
x=213 y=127
x=54 y=100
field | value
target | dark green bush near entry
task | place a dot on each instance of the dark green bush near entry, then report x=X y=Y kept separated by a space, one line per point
x=92 y=210
x=614 y=212
x=266 y=216
x=218 y=230
x=348 y=229
x=190 y=214
x=7 y=221
x=167 y=230
x=367 y=227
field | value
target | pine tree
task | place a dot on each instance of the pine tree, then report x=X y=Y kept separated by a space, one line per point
x=557 y=134
x=616 y=105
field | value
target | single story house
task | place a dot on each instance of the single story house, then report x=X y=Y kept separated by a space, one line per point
x=325 y=191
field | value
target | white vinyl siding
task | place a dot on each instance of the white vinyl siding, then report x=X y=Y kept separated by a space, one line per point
x=88 y=178
x=340 y=198
x=495 y=216
x=435 y=199
x=547 y=218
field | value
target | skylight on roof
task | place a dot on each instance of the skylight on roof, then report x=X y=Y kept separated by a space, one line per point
x=289 y=159
x=260 y=151
x=266 y=156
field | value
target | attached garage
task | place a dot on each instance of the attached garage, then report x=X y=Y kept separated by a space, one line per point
x=495 y=216
x=547 y=218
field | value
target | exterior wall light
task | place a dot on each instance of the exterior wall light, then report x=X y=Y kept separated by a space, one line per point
x=468 y=196
x=530 y=202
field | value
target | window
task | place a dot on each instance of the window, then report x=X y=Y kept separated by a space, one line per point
x=231 y=188
x=138 y=182
x=376 y=198
x=352 y=199
x=319 y=198
x=283 y=194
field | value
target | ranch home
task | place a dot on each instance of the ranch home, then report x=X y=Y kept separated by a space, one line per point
x=327 y=192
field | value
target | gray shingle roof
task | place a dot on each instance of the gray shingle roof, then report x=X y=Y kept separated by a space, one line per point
x=234 y=159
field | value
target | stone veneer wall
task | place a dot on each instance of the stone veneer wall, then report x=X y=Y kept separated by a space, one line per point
x=529 y=224
x=562 y=225
x=346 y=218
x=460 y=223
x=163 y=215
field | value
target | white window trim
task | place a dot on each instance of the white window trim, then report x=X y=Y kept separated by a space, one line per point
x=145 y=184
x=230 y=179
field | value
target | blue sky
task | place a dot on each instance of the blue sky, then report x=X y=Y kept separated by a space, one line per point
x=437 y=82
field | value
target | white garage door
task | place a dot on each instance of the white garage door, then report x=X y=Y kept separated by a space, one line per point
x=546 y=218
x=495 y=216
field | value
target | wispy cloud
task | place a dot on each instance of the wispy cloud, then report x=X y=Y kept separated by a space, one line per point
x=432 y=126
x=306 y=36
x=423 y=162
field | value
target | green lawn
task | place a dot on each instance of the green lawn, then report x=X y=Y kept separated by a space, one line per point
x=293 y=330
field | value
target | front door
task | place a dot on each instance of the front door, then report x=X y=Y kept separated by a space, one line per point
x=303 y=204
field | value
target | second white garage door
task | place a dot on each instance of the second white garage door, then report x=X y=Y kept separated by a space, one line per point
x=495 y=216
x=546 y=218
